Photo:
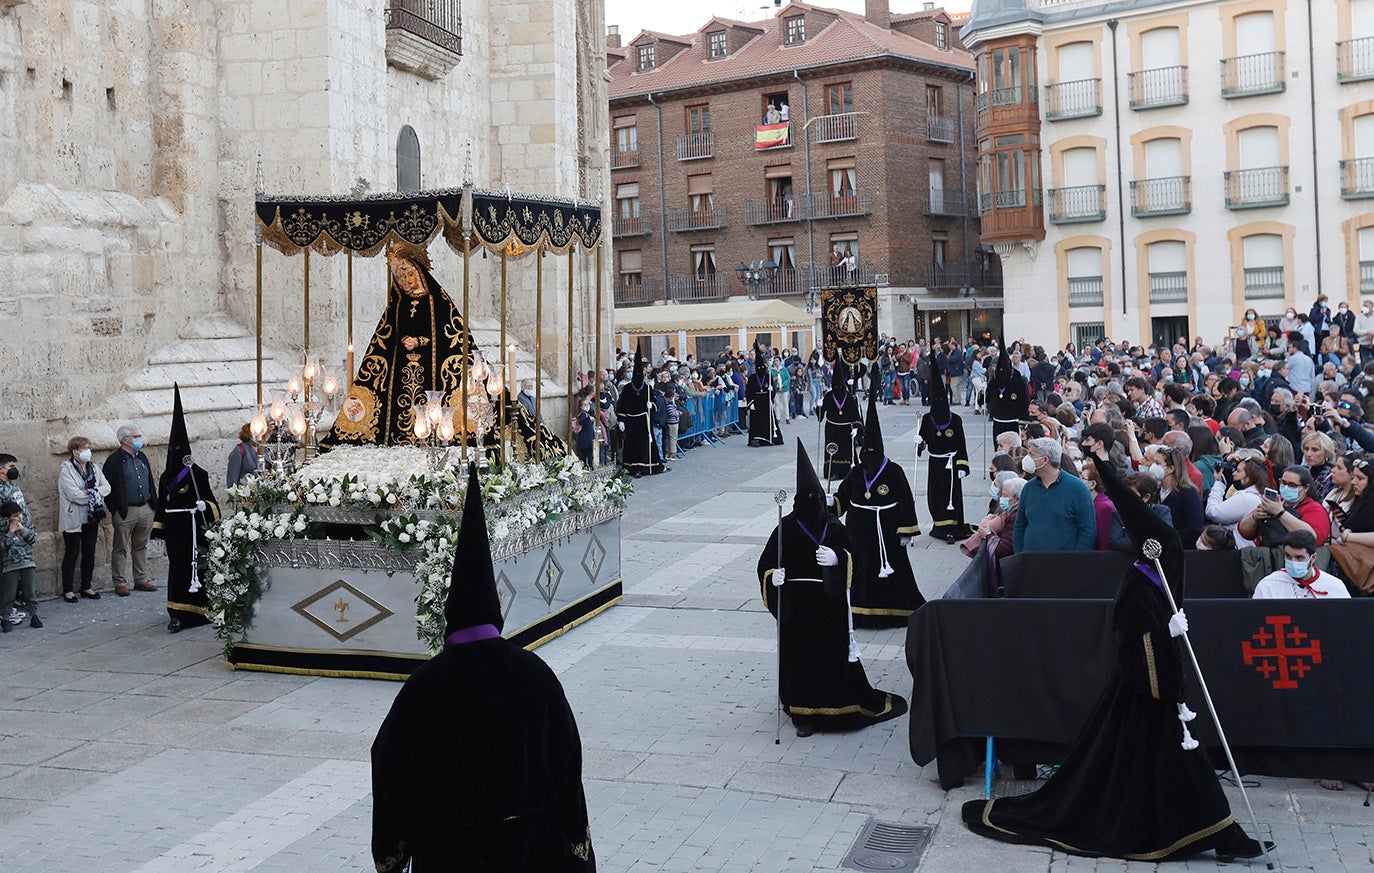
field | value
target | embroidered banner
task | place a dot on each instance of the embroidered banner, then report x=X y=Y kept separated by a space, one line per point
x=849 y=323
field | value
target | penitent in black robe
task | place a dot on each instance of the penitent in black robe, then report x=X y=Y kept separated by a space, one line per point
x=1127 y=788
x=944 y=446
x=478 y=767
x=841 y=417
x=763 y=426
x=819 y=684
x=638 y=452
x=178 y=489
x=878 y=513
x=1008 y=403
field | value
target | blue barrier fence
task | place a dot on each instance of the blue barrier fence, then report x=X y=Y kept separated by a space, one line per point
x=715 y=412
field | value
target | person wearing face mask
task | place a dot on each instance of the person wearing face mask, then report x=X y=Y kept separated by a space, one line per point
x=1320 y=315
x=9 y=485
x=1246 y=476
x=526 y=395
x=1056 y=512
x=81 y=492
x=1289 y=323
x=1179 y=493
x=1300 y=577
x=1295 y=510
x=133 y=503
x=1364 y=331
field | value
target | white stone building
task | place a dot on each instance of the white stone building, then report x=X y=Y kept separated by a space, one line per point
x=1152 y=169
x=131 y=136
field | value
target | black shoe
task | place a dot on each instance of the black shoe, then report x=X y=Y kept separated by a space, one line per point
x=35 y=623
x=804 y=729
x=949 y=538
x=1242 y=847
x=4 y=625
x=70 y=597
x=93 y=595
x=174 y=626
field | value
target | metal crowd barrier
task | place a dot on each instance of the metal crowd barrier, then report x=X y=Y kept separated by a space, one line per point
x=715 y=412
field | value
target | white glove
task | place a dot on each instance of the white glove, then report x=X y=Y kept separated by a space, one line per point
x=200 y=506
x=1178 y=624
x=779 y=577
x=830 y=500
x=826 y=557
x=620 y=424
x=905 y=541
x=963 y=473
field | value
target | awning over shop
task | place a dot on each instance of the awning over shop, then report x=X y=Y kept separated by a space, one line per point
x=730 y=316
x=926 y=304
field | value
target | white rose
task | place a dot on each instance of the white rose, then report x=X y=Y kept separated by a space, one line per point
x=219 y=552
x=219 y=579
x=254 y=535
x=280 y=531
x=375 y=498
x=391 y=498
x=334 y=500
x=292 y=496
x=404 y=537
x=299 y=525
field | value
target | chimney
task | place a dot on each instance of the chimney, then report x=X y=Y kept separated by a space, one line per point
x=928 y=6
x=613 y=36
x=877 y=12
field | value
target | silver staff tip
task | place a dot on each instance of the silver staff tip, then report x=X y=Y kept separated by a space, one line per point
x=780 y=498
x=1152 y=549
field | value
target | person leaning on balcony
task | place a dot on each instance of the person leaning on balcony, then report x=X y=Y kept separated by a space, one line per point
x=772 y=116
x=836 y=263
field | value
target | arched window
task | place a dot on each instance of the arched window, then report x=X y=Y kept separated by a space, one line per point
x=407 y=160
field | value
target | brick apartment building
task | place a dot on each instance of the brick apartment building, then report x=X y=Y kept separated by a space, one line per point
x=787 y=140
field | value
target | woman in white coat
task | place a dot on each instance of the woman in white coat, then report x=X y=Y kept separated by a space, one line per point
x=81 y=492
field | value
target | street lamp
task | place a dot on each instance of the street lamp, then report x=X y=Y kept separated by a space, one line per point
x=755 y=275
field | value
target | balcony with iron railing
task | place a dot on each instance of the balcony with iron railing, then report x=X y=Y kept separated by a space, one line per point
x=1263 y=283
x=683 y=220
x=1357 y=178
x=424 y=37
x=1169 y=287
x=695 y=146
x=944 y=277
x=1167 y=195
x=1085 y=290
x=940 y=128
x=1367 y=277
x=632 y=225
x=636 y=290
x=1078 y=99
x=708 y=286
x=1355 y=59
x=836 y=128
x=849 y=275
x=1077 y=204
x=624 y=158
x=947 y=203
x=826 y=205
x=1014 y=198
x=1248 y=75
x=773 y=211
x=1253 y=188
x=784 y=283
x=1159 y=87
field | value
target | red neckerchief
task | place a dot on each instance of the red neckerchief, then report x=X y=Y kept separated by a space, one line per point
x=1307 y=583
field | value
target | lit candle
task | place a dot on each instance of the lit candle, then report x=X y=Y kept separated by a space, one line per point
x=258 y=426
x=421 y=427
x=293 y=385
x=331 y=385
x=298 y=424
x=279 y=409
x=311 y=368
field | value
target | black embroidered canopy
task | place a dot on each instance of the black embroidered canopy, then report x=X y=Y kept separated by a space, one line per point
x=364 y=225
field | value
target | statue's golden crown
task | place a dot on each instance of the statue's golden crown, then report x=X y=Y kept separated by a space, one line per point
x=415 y=254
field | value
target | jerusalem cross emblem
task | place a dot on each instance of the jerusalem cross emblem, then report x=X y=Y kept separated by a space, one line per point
x=1282 y=653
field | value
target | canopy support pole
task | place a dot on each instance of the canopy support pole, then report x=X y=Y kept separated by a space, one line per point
x=467 y=339
x=538 y=347
x=259 y=315
x=572 y=382
x=596 y=365
x=510 y=366
x=348 y=365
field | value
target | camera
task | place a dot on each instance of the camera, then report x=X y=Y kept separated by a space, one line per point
x=1226 y=471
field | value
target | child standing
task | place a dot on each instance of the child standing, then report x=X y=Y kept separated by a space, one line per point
x=18 y=538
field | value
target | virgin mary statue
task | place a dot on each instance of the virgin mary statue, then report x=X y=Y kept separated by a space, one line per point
x=420 y=345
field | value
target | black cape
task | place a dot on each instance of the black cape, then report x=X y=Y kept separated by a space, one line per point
x=1008 y=398
x=763 y=427
x=819 y=685
x=944 y=446
x=478 y=767
x=841 y=419
x=880 y=601
x=638 y=452
x=178 y=490
x=1126 y=789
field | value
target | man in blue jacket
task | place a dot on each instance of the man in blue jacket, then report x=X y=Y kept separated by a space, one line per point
x=1056 y=510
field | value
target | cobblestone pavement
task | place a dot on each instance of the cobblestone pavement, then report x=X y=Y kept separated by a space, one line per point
x=123 y=748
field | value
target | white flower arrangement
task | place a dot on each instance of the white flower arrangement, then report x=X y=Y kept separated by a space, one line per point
x=391 y=485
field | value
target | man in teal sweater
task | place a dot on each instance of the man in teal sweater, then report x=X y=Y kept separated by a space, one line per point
x=1056 y=511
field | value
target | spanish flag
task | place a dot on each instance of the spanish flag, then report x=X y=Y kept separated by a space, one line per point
x=769 y=136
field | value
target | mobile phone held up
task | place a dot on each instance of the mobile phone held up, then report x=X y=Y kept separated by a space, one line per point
x=1271 y=494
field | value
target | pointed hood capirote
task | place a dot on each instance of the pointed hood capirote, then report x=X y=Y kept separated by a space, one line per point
x=872 y=453
x=839 y=377
x=1003 y=369
x=1143 y=525
x=760 y=359
x=637 y=377
x=809 y=501
x=472 y=599
x=939 y=395
x=178 y=442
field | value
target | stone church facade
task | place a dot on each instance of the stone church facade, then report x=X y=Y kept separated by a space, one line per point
x=134 y=133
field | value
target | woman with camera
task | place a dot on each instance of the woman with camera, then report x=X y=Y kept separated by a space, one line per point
x=1248 y=476
x=81 y=492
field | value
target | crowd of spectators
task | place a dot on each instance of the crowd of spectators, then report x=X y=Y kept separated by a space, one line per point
x=1258 y=444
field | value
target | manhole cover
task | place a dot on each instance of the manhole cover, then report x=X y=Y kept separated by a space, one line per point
x=887 y=846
